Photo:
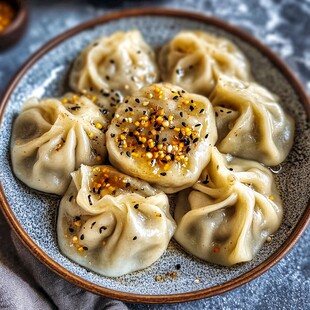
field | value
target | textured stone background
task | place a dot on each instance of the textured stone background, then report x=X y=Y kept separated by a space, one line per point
x=282 y=25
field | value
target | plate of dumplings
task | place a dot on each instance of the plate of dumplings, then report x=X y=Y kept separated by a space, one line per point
x=156 y=156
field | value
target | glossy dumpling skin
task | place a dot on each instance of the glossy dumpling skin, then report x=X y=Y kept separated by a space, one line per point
x=251 y=123
x=230 y=212
x=122 y=62
x=52 y=138
x=194 y=60
x=112 y=223
x=163 y=135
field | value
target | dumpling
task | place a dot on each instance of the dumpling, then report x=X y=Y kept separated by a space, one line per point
x=163 y=135
x=112 y=223
x=122 y=62
x=194 y=60
x=230 y=212
x=250 y=121
x=51 y=138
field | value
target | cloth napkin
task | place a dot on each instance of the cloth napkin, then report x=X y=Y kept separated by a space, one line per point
x=25 y=283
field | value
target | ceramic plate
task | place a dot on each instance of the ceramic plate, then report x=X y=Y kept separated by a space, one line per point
x=33 y=215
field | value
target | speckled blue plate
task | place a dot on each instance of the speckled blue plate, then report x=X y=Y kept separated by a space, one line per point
x=33 y=215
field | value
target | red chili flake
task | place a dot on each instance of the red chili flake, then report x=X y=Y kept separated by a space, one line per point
x=216 y=249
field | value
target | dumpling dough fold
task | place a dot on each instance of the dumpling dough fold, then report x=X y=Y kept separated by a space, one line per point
x=250 y=121
x=112 y=223
x=122 y=62
x=194 y=60
x=51 y=138
x=230 y=212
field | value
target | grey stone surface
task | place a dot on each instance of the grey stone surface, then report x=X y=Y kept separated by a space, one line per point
x=282 y=25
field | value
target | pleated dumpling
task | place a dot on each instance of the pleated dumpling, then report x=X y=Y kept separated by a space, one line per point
x=250 y=121
x=163 y=135
x=230 y=212
x=112 y=223
x=122 y=62
x=51 y=138
x=194 y=60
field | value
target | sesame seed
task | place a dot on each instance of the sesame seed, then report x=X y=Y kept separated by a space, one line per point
x=163 y=174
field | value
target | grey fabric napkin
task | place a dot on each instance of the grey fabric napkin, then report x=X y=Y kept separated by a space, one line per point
x=25 y=283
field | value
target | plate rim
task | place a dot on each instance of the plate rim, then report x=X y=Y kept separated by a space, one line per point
x=133 y=297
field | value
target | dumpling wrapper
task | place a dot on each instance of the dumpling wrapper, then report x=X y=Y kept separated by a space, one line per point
x=250 y=121
x=162 y=135
x=51 y=138
x=112 y=223
x=230 y=212
x=194 y=60
x=122 y=62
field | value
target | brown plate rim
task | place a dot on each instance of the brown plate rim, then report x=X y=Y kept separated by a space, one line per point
x=173 y=298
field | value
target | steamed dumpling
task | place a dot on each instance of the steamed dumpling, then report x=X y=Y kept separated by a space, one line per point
x=251 y=123
x=112 y=223
x=122 y=62
x=52 y=138
x=194 y=60
x=230 y=212
x=163 y=135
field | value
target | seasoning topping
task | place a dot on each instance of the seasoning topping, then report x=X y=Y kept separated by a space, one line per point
x=147 y=137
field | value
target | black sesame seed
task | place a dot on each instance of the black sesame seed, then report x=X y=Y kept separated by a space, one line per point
x=112 y=135
x=85 y=248
x=136 y=206
x=71 y=230
x=71 y=197
x=216 y=114
x=164 y=139
x=126 y=101
x=184 y=124
x=92 y=225
x=127 y=184
x=104 y=111
x=186 y=141
x=191 y=108
x=137 y=100
x=206 y=136
x=114 y=192
x=128 y=154
x=82 y=237
x=163 y=173
x=231 y=169
x=195 y=140
x=107 y=77
x=112 y=61
x=228 y=112
x=175 y=98
x=197 y=125
x=188 y=149
x=89 y=200
x=181 y=114
x=201 y=111
x=134 y=238
x=106 y=94
x=183 y=91
x=102 y=228
x=177 y=266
